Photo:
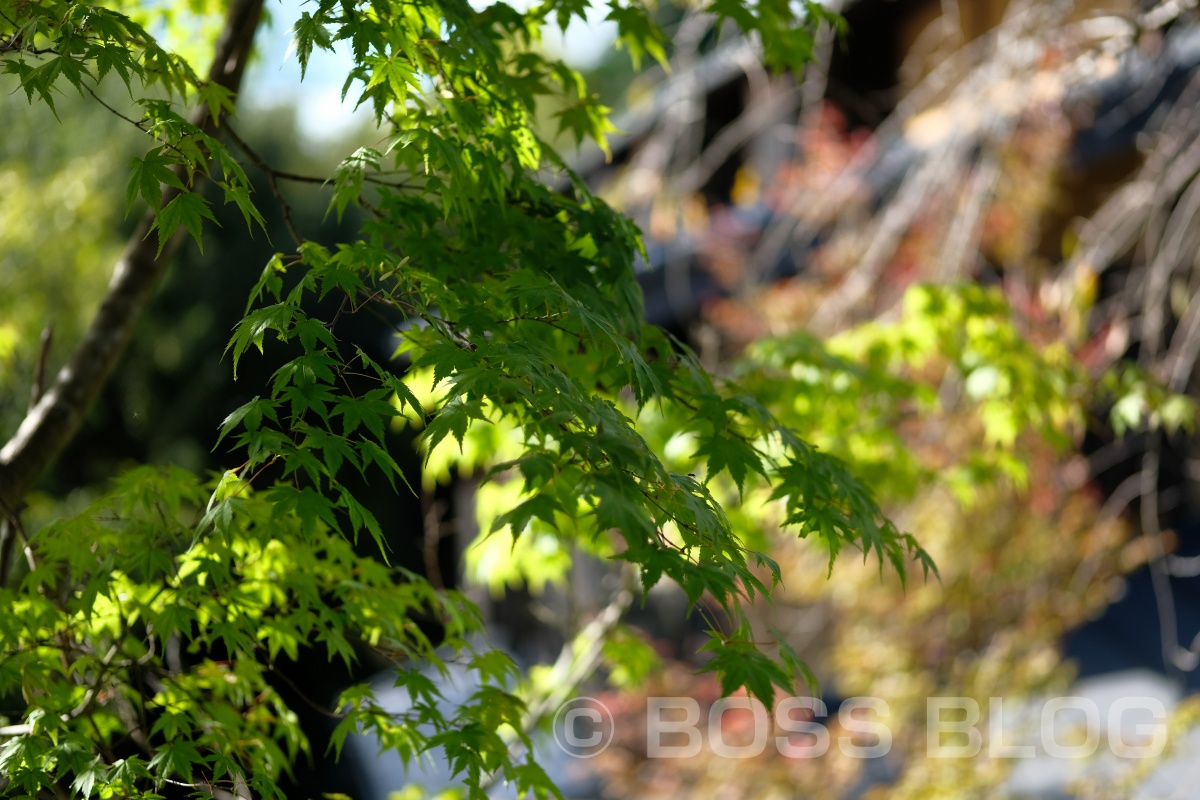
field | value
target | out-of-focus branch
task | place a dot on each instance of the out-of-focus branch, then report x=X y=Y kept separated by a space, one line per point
x=51 y=424
x=39 y=377
x=576 y=662
x=779 y=101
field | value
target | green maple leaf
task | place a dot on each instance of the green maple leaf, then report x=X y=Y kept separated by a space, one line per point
x=308 y=33
x=739 y=663
x=146 y=177
x=730 y=453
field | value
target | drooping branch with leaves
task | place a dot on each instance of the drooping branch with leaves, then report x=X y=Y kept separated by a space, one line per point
x=522 y=304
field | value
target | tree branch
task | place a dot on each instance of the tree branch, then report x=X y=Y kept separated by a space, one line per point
x=39 y=377
x=51 y=424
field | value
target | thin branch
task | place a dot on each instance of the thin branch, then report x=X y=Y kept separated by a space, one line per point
x=1159 y=578
x=271 y=174
x=962 y=240
x=775 y=104
x=135 y=123
x=296 y=177
x=1185 y=349
x=141 y=126
x=1183 y=566
x=319 y=708
x=892 y=226
x=576 y=661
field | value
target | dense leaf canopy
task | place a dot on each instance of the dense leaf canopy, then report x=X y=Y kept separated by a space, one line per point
x=517 y=310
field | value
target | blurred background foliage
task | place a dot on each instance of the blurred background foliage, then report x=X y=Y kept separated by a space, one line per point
x=55 y=229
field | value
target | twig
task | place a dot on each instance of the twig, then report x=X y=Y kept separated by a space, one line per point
x=271 y=173
x=135 y=123
x=320 y=709
x=296 y=177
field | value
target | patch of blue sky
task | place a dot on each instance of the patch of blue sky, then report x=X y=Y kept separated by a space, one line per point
x=322 y=114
